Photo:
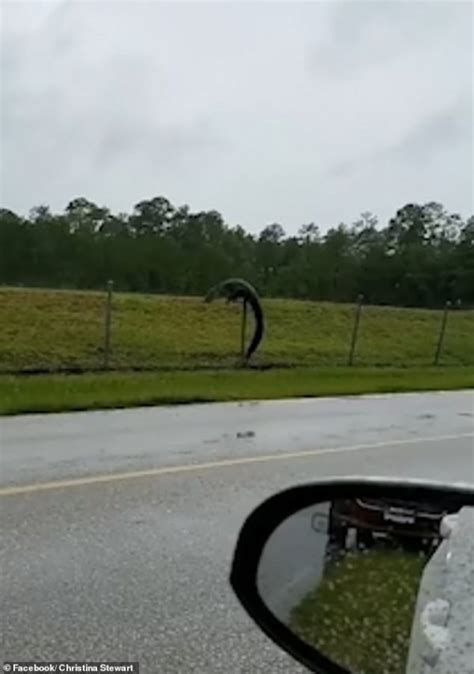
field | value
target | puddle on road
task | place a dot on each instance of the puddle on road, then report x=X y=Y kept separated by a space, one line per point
x=245 y=434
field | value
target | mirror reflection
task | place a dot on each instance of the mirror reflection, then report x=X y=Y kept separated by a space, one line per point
x=346 y=576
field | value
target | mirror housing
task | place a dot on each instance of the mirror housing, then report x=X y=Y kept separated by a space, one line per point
x=269 y=516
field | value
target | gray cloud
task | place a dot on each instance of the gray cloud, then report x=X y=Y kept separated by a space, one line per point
x=365 y=34
x=447 y=128
x=166 y=144
x=267 y=111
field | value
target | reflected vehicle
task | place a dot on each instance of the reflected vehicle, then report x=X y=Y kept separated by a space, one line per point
x=366 y=609
x=395 y=519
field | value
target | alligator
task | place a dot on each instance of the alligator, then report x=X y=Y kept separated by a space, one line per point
x=235 y=289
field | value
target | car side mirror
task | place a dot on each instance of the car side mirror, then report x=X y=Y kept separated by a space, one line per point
x=361 y=576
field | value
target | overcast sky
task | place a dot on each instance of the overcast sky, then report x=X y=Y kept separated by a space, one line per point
x=268 y=112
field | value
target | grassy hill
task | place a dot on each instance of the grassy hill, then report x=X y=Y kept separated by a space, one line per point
x=55 y=330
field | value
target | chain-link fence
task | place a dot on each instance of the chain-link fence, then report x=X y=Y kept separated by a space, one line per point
x=76 y=331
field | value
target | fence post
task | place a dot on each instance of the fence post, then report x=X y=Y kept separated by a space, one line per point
x=444 y=320
x=243 y=330
x=107 y=323
x=355 y=329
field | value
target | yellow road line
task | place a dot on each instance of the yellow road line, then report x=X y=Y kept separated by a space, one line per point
x=225 y=463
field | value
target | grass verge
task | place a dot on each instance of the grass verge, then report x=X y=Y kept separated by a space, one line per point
x=57 y=393
x=361 y=614
x=61 y=330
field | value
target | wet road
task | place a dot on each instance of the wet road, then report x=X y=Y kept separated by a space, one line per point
x=97 y=567
x=292 y=561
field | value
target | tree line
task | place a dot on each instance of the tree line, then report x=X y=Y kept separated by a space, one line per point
x=423 y=256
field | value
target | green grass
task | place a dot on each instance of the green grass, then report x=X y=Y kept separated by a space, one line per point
x=54 y=330
x=50 y=393
x=361 y=614
x=194 y=346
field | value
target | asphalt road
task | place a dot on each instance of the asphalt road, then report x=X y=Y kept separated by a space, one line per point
x=292 y=562
x=99 y=562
